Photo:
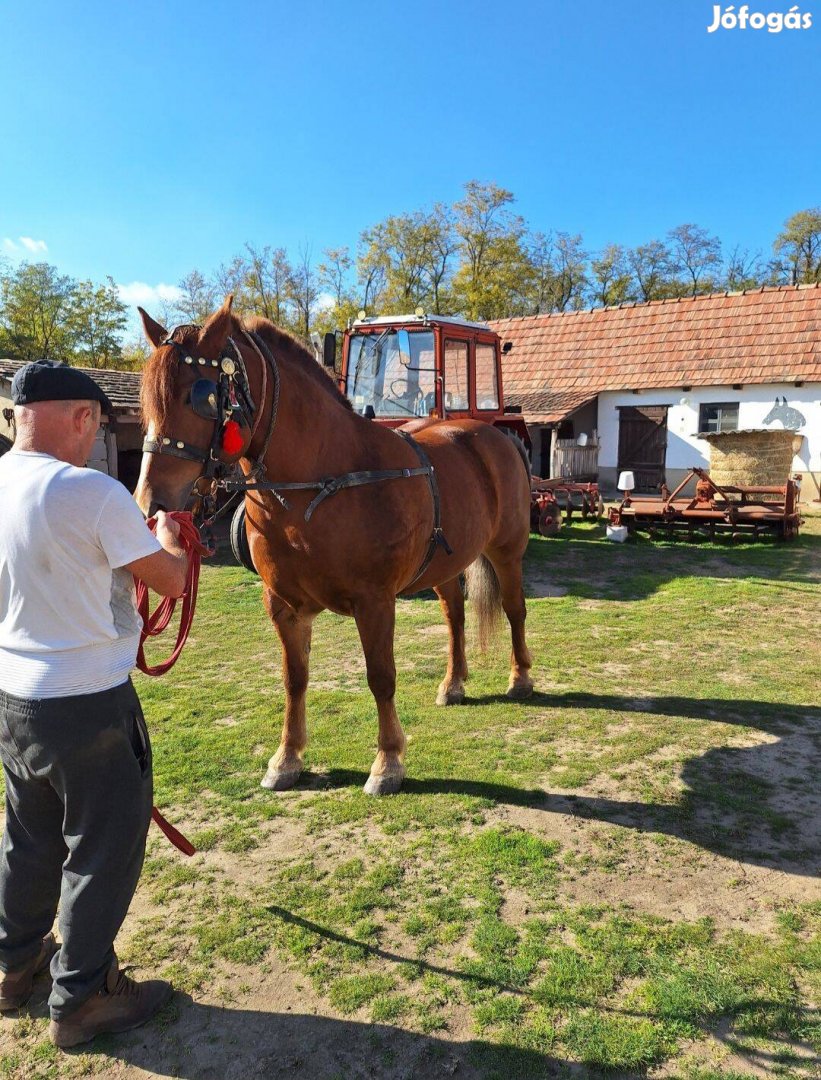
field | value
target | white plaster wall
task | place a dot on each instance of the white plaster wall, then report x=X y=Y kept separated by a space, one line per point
x=684 y=449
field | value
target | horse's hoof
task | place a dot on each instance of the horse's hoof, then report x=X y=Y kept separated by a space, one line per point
x=385 y=784
x=276 y=780
x=520 y=692
x=450 y=697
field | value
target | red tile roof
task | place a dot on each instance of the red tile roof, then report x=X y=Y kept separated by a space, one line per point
x=546 y=406
x=768 y=335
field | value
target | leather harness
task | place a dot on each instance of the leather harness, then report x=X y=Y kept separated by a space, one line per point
x=231 y=396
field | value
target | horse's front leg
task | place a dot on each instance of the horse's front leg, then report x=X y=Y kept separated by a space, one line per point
x=375 y=623
x=295 y=634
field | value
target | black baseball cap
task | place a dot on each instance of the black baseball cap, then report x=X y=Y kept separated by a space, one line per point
x=52 y=380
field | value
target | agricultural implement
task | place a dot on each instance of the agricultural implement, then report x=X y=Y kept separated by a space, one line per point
x=549 y=498
x=741 y=512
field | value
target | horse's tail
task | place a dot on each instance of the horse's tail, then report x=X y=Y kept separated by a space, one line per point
x=485 y=595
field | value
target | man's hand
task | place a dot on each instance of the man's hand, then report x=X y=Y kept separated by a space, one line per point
x=167 y=531
x=165 y=523
x=165 y=571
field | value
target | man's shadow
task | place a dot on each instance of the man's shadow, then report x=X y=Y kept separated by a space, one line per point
x=195 y=1041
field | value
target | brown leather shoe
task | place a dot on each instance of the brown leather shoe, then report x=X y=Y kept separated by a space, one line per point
x=16 y=986
x=121 y=1004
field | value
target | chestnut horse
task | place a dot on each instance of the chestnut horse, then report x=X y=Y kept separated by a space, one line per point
x=364 y=545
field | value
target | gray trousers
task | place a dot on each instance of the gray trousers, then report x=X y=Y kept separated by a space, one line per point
x=78 y=805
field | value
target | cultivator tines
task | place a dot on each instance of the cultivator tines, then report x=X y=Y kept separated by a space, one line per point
x=741 y=512
x=549 y=499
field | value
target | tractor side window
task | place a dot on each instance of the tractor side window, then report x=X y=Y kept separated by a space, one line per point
x=487 y=385
x=456 y=376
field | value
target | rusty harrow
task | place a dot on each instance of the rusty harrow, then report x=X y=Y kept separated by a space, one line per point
x=550 y=498
x=741 y=512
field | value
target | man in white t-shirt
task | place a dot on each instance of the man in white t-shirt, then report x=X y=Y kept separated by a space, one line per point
x=73 y=742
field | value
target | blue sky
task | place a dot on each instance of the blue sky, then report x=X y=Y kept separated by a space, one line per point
x=142 y=140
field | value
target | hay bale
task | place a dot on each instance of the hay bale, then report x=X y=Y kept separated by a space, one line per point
x=751 y=458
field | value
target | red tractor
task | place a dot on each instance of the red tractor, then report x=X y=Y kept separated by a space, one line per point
x=405 y=367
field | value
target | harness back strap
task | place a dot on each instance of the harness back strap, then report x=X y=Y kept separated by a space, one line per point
x=438 y=538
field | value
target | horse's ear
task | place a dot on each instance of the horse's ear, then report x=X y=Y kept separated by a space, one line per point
x=216 y=330
x=155 y=334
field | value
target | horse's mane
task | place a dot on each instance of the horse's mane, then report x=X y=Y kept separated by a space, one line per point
x=157 y=392
x=283 y=343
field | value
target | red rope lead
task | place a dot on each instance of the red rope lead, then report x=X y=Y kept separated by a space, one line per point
x=180 y=842
x=154 y=624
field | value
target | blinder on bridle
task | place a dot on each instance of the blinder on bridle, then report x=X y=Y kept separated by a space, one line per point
x=204 y=399
x=225 y=402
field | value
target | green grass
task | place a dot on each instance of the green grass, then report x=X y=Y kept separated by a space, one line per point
x=675 y=728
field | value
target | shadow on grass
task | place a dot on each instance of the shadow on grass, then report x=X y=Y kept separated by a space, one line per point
x=765 y=715
x=193 y=1040
x=583 y=562
x=758 y=804
x=197 y=1041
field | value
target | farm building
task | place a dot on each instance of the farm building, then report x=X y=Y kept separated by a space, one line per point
x=118 y=448
x=635 y=387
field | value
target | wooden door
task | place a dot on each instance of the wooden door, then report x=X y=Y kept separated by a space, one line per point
x=643 y=444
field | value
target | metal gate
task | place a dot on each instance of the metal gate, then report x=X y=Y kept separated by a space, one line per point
x=643 y=444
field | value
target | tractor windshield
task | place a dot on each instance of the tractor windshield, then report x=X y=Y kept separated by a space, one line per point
x=379 y=375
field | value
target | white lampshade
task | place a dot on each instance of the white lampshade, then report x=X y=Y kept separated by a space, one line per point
x=626 y=481
x=582 y=439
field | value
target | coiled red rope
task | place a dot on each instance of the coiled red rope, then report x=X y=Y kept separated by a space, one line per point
x=156 y=622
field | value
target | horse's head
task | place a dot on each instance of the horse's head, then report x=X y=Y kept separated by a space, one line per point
x=776 y=412
x=188 y=403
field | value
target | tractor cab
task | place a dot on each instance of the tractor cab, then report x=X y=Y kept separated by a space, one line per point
x=410 y=367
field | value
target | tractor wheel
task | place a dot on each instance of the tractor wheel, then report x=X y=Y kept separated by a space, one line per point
x=239 y=540
x=550 y=520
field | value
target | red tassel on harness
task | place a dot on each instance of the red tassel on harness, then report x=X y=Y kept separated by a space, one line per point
x=232 y=440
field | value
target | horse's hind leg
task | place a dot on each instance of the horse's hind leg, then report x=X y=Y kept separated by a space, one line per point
x=295 y=634
x=375 y=623
x=509 y=573
x=452 y=601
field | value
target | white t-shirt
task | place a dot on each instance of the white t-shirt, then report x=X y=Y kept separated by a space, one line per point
x=68 y=618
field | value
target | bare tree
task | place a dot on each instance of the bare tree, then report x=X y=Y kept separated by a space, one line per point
x=198 y=299
x=743 y=270
x=651 y=267
x=798 y=247
x=696 y=255
x=268 y=276
x=304 y=290
x=611 y=282
x=334 y=273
